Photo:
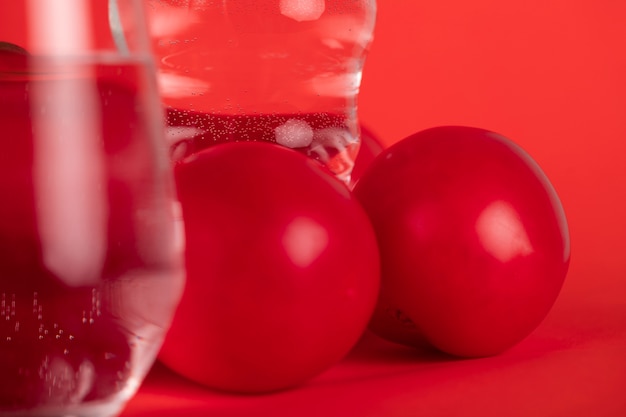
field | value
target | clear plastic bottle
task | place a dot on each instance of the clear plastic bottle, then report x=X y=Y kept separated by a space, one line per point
x=284 y=71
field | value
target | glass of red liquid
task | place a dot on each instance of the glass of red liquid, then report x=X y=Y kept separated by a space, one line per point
x=282 y=71
x=90 y=253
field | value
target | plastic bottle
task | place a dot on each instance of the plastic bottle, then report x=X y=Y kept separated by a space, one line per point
x=284 y=71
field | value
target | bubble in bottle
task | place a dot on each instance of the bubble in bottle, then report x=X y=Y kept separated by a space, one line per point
x=294 y=133
x=282 y=71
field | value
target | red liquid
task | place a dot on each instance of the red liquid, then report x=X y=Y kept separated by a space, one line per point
x=324 y=137
x=82 y=205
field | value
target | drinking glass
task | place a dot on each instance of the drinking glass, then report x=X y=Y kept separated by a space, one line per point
x=281 y=71
x=90 y=249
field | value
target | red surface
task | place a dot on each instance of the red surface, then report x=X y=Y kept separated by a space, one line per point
x=551 y=75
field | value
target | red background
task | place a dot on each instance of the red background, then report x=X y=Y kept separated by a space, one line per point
x=550 y=75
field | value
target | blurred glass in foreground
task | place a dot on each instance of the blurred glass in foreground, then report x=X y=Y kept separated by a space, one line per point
x=90 y=256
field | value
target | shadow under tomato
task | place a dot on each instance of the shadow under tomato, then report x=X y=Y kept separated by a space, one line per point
x=373 y=349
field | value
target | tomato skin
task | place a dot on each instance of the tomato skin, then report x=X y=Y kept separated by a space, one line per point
x=282 y=269
x=473 y=238
x=13 y=57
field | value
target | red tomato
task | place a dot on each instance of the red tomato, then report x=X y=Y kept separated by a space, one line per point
x=282 y=264
x=473 y=238
x=12 y=57
x=370 y=148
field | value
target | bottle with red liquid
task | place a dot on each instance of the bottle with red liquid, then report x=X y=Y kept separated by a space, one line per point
x=283 y=71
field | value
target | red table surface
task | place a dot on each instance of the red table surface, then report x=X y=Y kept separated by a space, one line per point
x=550 y=75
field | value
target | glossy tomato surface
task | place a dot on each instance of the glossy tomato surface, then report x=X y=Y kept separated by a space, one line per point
x=12 y=57
x=473 y=238
x=283 y=269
